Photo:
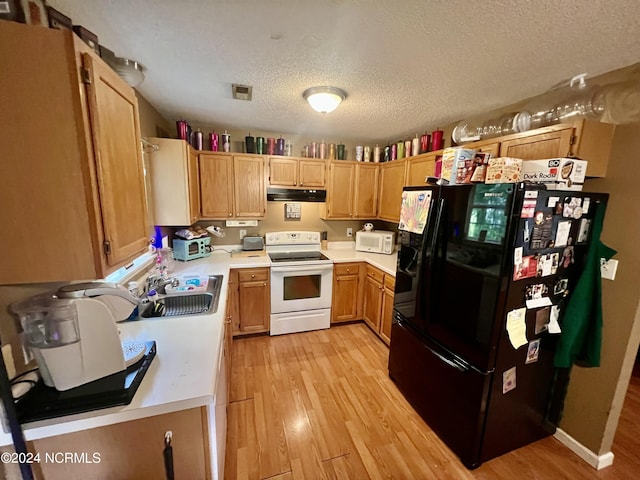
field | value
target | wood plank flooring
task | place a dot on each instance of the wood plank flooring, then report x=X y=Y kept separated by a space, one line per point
x=320 y=405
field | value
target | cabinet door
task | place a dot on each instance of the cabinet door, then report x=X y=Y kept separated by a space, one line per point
x=543 y=145
x=283 y=172
x=366 y=191
x=216 y=185
x=492 y=148
x=135 y=446
x=250 y=193
x=387 y=309
x=113 y=113
x=346 y=282
x=391 y=183
x=193 y=177
x=419 y=168
x=253 y=300
x=233 y=302
x=311 y=173
x=340 y=191
x=372 y=303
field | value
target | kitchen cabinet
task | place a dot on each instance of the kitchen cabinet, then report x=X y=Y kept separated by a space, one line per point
x=132 y=449
x=351 y=191
x=420 y=167
x=232 y=186
x=252 y=307
x=73 y=196
x=387 y=308
x=586 y=139
x=175 y=183
x=378 y=301
x=231 y=314
x=392 y=179
x=297 y=172
x=346 y=304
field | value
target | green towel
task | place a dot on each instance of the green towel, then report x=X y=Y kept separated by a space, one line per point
x=581 y=336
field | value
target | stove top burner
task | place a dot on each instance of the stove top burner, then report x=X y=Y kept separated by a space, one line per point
x=296 y=256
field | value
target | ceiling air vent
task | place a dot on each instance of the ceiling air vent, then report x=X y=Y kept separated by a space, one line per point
x=241 y=92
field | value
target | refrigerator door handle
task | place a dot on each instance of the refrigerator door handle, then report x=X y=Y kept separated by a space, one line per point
x=436 y=229
x=451 y=363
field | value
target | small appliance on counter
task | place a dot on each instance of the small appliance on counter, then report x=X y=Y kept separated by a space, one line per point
x=73 y=333
x=378 y=241
x=252 y=243
x=186 y=250
x=83 y=365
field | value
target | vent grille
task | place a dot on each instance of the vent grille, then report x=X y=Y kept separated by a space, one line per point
x=241 y=92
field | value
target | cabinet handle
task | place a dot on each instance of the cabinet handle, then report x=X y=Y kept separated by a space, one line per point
x=337 y=279
x=229 y=214
x=253 y=276
x=295 y=184
x=264 y=284
x=348 y=270
x=301 y=184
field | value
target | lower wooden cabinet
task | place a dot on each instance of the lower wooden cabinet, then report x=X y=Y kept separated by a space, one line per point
x=250 y=305
x=346 y=303
x=132 y=449
x=378 y=301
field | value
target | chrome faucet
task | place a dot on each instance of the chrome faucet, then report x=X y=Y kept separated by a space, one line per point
x=158 y=283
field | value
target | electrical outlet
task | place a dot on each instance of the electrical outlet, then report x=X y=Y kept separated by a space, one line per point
x=349 y=232
x=243 y=233
x=608 y=268
x=7 y=356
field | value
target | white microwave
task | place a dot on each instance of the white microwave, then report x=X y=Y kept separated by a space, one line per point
x=379 y=241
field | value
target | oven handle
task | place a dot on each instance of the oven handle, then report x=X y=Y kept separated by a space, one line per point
x=302 y=268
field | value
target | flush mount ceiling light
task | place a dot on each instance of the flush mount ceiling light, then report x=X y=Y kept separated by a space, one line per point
x=130 y=70
x=324 y=99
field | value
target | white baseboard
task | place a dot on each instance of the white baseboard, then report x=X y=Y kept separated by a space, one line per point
x=596 y=461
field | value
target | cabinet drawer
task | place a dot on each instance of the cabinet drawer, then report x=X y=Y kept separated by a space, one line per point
x=253 y=275
x=390 y=282
x=346 y=269
x=375 y=273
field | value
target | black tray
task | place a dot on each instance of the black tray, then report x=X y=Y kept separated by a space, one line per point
x=42 y=402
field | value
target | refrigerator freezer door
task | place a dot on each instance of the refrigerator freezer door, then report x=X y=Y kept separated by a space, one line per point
x=449 y=395
x=468 y=263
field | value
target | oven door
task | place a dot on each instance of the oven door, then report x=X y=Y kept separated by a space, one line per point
x=298 y=288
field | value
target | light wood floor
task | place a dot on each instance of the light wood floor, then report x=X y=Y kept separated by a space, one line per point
x=321 y=405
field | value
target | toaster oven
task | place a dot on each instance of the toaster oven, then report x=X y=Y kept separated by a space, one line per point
x=186 y=250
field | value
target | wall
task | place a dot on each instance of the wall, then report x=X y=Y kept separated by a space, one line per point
x=595 y=395
x=274 y=222
x=152 y=124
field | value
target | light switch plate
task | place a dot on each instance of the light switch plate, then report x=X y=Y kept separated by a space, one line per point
x=608 y=269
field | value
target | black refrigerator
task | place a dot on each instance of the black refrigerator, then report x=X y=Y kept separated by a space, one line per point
x=481 y=285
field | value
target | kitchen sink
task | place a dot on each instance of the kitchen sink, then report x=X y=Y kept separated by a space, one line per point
x=181 y=304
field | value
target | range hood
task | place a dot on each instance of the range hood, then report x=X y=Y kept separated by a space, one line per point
x=293 y=195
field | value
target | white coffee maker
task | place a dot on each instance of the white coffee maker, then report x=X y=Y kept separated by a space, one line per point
x=73 y=334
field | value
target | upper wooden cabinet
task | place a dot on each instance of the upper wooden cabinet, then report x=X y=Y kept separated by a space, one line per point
x=297 y=172
x=340 y=191
x=419 y=168
x=174 y=182
x=232 y=186
x=392 y=179
x=586 y=139
x=351 y=191
x=74 y=199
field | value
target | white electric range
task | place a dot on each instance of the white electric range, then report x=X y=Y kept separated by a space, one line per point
x=301 y=282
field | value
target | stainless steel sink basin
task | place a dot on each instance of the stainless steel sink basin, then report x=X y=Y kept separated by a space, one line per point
x=181 y=304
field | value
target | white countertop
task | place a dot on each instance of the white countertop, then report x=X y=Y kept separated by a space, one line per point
x=183 y=373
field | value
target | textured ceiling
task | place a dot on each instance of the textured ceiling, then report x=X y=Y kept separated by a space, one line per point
x=406 y=66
